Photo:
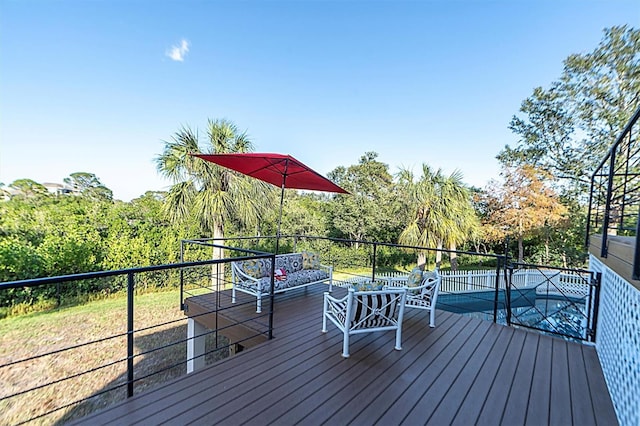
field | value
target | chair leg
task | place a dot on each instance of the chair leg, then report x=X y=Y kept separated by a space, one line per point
x=324 y=316
x=399 y=338
x=432 y=317
x=259 y=304
x=233 y=294
x=345 y=344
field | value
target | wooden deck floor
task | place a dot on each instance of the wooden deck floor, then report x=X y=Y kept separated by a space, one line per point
x=465 y=371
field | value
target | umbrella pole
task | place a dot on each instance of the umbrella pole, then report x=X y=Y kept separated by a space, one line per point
x=279 y=219
x=284 y=181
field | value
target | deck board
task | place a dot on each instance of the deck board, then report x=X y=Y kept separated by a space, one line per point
x=471 y=407
x=438 y=389
x=517 y=401
x=447 y=408
x=496 y=399
x=538 y=408
x=376 y=382
x=409 y=400
x=463 y=371
x=427 y=351
x=581 y=407
x=560 y=402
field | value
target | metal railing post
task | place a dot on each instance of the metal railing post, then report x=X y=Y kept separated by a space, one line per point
x=130 y=287
x=588 y=230
x=607 y=209
x=597 y=285
x=507 y=292
x=272 y=296
x=181 y=276
x=497 y=285
x=373 y=268
x=635 y=271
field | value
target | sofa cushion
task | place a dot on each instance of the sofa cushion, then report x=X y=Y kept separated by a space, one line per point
x=293 y=279
x=295 y=261
x=282 y=262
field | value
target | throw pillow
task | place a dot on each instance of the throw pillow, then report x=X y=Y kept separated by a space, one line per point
x=280 y=274
x=310 y=260
x=415 y=277
x=252 y=268
x=368 y=285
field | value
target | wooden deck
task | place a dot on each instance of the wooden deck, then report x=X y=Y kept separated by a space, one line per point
x=464 y=371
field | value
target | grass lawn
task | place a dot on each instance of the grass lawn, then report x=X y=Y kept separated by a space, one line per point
x=29 y=335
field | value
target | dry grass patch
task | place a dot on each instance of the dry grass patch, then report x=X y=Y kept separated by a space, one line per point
x=35 y=334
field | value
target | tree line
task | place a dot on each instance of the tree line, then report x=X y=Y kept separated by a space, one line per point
x=538 y=208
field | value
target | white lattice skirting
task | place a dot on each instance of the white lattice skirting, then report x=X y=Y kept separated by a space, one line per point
x=618 y=341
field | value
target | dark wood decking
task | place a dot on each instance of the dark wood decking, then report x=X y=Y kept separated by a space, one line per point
x=464 y=371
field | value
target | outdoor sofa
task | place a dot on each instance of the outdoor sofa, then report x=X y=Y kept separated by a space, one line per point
x=292 y=270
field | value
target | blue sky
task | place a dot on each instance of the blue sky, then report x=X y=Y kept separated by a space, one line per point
x=90 y=85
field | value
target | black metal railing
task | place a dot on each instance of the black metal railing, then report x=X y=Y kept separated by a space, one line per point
x=473 y=284
x=558 y=301
x=139 y=356
x=614 y=197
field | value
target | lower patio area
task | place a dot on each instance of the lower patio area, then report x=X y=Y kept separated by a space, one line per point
x=464 y=371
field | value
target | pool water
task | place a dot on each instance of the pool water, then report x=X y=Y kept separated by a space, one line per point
x=564 y=317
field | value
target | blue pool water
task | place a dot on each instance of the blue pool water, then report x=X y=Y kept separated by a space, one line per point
x=556 y=316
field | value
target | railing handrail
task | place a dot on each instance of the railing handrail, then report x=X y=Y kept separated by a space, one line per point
x=31 y=282
x=618 y=141
x=363 y=242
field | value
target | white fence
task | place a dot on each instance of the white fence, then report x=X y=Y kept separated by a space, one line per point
x=545 y=281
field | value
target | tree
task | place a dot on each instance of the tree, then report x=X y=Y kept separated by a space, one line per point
x=523 y=206
x=4 y=194
x=567 y=129
x=208 y=193
x=88 y=185
x=304 y=214
x=440 y=209
x=371 y=210
x=28 y=188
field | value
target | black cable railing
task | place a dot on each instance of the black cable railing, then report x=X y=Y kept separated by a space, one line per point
x=473 y=283
x=614 y=198
x=129 y=366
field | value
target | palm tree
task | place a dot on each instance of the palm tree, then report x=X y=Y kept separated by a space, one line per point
x=460 y=219
x=211 y=194
x=441 y=210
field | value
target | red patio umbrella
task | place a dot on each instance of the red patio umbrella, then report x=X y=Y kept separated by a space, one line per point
x=277 y=169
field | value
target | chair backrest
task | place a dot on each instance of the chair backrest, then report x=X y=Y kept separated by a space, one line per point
x=374 y=309
x=431 y=285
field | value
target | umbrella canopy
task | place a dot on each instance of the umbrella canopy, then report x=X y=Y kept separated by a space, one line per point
x=277 y=169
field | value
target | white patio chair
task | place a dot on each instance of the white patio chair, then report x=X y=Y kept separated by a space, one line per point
x=422 y=296
x=364 y=312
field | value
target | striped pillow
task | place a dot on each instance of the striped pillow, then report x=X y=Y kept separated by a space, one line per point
x=366 y=305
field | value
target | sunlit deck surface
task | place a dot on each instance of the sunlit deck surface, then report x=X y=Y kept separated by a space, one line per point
x=465 y=371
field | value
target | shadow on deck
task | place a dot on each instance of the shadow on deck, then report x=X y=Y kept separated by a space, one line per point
x=464 y=371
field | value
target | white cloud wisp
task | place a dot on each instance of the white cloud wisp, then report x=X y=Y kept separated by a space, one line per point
x=177 y=53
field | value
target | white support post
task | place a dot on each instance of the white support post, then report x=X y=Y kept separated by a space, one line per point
x=195 y=345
